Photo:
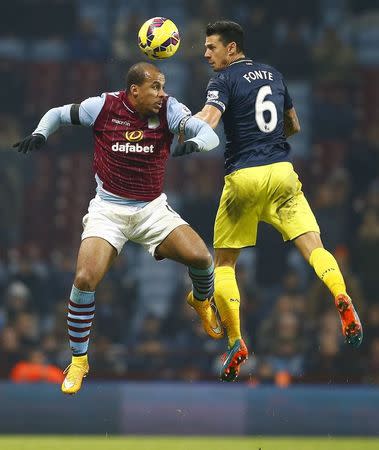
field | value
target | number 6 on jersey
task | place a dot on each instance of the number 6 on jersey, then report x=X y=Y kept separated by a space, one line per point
x=262 y=105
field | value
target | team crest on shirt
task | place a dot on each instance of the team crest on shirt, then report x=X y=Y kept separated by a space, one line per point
x=134 y=136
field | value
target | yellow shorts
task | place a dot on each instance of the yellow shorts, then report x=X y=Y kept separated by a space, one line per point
x=270 y=194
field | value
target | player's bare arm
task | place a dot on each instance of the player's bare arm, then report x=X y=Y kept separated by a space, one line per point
x=210 y=114
x=291 y=122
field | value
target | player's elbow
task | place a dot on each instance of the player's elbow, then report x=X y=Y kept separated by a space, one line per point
x=214 y=141
x=292 y=129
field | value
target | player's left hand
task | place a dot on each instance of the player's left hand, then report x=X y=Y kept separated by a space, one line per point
x=30 y=143
x=185 y=149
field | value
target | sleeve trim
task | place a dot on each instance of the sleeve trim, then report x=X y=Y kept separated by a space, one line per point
x=219 y=105
x=74 y=114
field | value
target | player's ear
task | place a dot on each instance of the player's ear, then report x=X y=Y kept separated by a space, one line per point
x=232 y=48
x=134 y=90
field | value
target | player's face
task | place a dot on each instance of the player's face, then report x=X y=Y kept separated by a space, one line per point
x=150 y=94
x=216 y=53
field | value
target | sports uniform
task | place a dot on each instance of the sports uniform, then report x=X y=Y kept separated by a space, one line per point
x=260 y=182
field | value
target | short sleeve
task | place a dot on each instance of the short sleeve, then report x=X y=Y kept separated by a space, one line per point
x=288 y=104
x=176 y=112
x=218 y=93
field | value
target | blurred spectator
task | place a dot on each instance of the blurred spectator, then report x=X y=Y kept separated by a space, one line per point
x=124 y=42
x=331 y=116
x=192 y=46
x=111 y=320
x=372 y=369
x=331 y=208
x=363 y=163
x=10 y=350
x=325 y=363
x=149 y=347
x=333 y=59
x=371 y=325
x=87 y=43
x=199 y=207
x=282 y=343
x=292 y=56
x=17 y=299
x=35 y=370
x=27 y=327
x=259 y=37
x=366 y=252
x=108 y=360
x=9 y=130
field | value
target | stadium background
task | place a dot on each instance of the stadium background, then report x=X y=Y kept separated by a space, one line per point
x=60 y=51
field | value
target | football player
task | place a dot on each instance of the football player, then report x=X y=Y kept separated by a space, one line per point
x=260 y=182
x=133 y=131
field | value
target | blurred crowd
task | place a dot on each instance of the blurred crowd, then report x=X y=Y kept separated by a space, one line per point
x=143 y=329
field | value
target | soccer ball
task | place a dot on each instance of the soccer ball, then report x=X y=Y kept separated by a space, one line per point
x=158 y=38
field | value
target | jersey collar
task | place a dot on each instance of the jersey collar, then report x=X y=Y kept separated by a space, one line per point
x=127 y=103
x=237 y=61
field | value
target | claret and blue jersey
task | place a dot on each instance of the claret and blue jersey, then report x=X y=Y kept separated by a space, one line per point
x=252 y=97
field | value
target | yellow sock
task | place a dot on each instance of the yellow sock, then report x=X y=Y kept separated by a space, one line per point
x=328 y=271
x=79 y=359
x=227 y=298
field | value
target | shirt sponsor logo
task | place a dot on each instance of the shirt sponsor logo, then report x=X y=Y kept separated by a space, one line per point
x=212 y=95
x=121 y=122
x=132 y=148
x=134 y=136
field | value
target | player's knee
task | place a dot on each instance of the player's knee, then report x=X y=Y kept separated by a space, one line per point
x=200 y=258
x=85 y=280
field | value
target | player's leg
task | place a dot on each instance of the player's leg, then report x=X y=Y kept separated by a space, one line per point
x=327 y=269
x=184 y=245
x=227 y=298
x=235 y=228
x=291 y=214
x=94 y=260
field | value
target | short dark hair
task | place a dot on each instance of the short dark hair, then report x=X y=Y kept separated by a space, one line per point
x=229 y=32
x=137 y=74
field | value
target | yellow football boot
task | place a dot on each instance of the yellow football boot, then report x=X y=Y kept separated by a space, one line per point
x=206 y=310
x=75 y=372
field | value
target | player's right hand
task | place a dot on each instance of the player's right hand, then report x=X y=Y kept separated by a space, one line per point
x=30 y=143
x=185 y=149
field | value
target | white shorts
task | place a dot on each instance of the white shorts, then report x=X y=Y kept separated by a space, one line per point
x=117 y=224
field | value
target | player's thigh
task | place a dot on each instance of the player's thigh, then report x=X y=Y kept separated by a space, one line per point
x=239 y=210
x=164 y=234
x=107 y=221
x=184 y=245
x=95 y=257
x=287 y=209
